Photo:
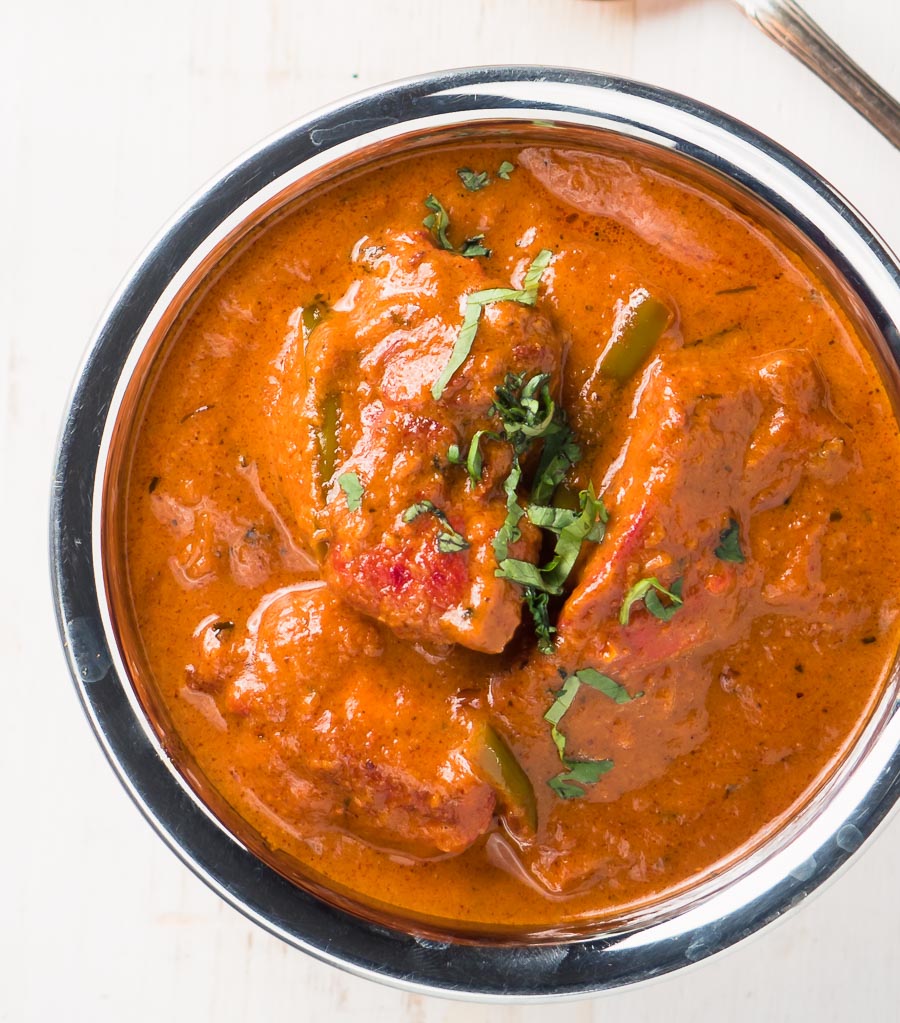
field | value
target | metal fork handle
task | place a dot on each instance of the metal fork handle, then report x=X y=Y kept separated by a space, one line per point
x=791 y=27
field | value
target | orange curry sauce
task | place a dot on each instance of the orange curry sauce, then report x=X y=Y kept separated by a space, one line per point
x=341 y=675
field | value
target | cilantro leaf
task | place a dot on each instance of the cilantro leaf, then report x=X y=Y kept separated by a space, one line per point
x=474 y=182
x=509 y=532
x=588 y=771
x=489 y=295
x=729 y=548
x=505 y=169
x=461 y=348
x=559 y=454
x=417 y=509
x=570 y=539
x=528 y=413
x=559 y=740
x=438 y=221
x=553 y=519
x=563 y=701
x=564 y=788
x=353 y=490
x=569 y=784
x=473 y=462
x=476 y=301
x=565 y=696
x=525 y=409
x=472 y=247
x=572 y=534
x=525 y=574
x=665 y=612
x=648 y=590
x=537 y=598
x=538 y=605
x=447 y=541
x=604 y=684
x=534 y=273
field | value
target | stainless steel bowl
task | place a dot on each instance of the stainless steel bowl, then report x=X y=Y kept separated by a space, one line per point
x=755 y=889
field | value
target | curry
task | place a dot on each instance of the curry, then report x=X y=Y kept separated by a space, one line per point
x=509 y=535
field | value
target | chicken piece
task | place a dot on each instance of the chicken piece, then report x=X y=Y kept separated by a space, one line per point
x=356 y=735
x=705 y=452
x=359 y=440
x=701 y=455
x=604 y=185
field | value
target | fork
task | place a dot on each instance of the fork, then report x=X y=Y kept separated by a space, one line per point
x=791 y=27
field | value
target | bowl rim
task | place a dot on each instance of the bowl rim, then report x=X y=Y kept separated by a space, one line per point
x=486 y=972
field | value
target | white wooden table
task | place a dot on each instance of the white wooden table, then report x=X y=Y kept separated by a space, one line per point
x=111 y=115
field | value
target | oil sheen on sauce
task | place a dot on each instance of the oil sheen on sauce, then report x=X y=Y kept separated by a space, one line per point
x=345 y=721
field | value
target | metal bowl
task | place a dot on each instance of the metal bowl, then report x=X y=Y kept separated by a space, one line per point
x=760 y=885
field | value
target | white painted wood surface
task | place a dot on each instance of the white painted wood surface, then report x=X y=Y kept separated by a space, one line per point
x=111 y=115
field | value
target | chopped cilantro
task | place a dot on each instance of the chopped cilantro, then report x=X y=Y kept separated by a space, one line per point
x=566 y=695
x=648 y=591
x=538 y=605
x=552 y=519
x=559 y=454
x=437 y=222
x=729 y=548
x=505 y=169
x=533 y=275
x=353 y=489
x=474 y=182
x=461 y=348
x=525 y=574
x=417 y=509
x=525 y=409
x=604 y=684
x=665 y=612
x=475 y=303
x=509 y=532
x=569 y=783
x=474 y=462
x=571 y=535
x=528 y=414
x=447 y=541
x=450 y=542
x=472 y=247
x=561 y=704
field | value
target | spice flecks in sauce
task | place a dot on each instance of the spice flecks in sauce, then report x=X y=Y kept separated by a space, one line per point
x=348 y=723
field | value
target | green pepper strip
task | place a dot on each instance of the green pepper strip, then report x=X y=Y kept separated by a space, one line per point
x=328 y=437
x=638 y=331
x=506 y=774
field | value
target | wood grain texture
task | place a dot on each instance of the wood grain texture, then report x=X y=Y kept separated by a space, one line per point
x=112 y=114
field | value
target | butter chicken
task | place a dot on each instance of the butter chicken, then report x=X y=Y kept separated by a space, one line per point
x=510 y=535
